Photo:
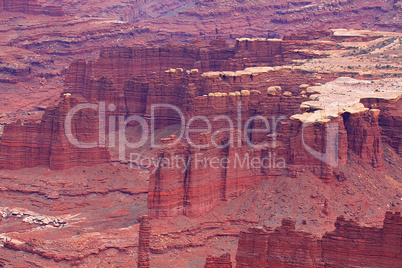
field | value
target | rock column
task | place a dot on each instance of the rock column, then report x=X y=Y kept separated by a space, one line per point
x=143 y=243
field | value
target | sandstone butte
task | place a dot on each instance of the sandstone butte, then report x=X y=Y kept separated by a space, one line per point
x=64 y=206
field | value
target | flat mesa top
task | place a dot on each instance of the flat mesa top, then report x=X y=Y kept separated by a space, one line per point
x=259 y=39
x=360 y=33
x=344 y=94
x=247 y=71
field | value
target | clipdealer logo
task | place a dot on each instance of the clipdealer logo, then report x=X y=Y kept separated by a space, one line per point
x=117 y=125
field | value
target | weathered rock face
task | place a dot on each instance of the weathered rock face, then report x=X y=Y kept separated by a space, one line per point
x=197 y=190
x=248 y=18
x=287 y=246
x=121 y=64
x=86 y=36
x=274 y=52
x=46 y=143
x=390 y=121
x=180 y=185
x=219 y=262
x=313 y=146
x=188 y=91
x=110 y=78
x=31 y=7
x=121 y=10
x=186 y=190
x=280 y=248
x=288 y=138
x=311 y=137
x=364 y=136
x=167 y=186
x=252 y=248
x=169 y=88
x=143 y=243
x=308 y=35
x=350 y=245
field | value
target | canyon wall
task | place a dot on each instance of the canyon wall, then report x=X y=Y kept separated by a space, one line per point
x=279 y=248
x=275 y=52
x=46 y=144
x=180 y=185
x=186 y=90
x=299 y=138
x=202 y=177
x=390 y=120
x=110 y=79
x=189 y=90
x=303 y=136
x=252 y=248
x=239 y=96
x=316 y=146
x=94 y=25
x=121 y=64
x=219 y=262
x=364 y=136
x=219 y=172
x=31 y=7
x=350 y=245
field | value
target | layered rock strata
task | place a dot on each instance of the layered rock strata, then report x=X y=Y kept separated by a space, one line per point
x=179 y=185
x=31 y=7
x=389 y=120
x=121 y=64
x=350 y=245
x=219 y=262
x=144 y=242
x=25 y=145
x=317 y=138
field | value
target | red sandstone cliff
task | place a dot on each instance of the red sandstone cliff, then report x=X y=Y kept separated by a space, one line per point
x=389 y=120
x=280 y=248
x=186 y=190
x=252 y=248
x=45 y=143
x=189 y=184
x=353 y=246
x=51 y=45
x=295 y=137
x=307 y=142
x=121 y=64
x=350 y=245
x=173 y=192
x=364 y=136
x=219 y=262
